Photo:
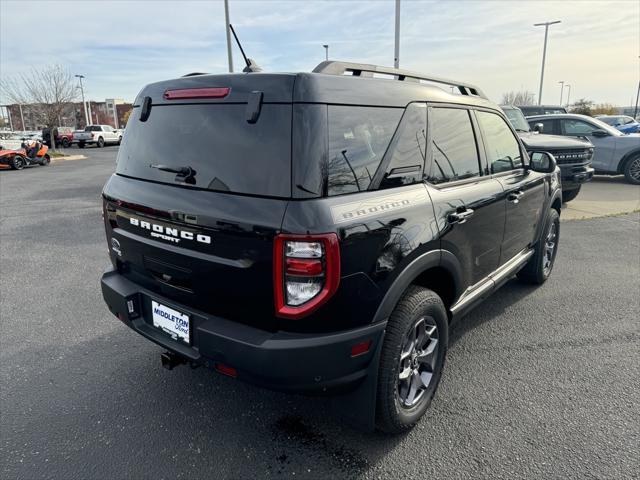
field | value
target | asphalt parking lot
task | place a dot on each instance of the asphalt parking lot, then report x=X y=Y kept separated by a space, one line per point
x=539 y=383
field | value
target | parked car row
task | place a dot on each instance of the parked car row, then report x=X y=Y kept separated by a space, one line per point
x=573 y=155
x=98 y=135
x=614 y=152
x=615 y=140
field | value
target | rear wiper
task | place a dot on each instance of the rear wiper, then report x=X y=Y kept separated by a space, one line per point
x=182 y=171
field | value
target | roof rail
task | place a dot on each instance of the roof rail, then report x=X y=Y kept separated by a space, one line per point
x=332 y=67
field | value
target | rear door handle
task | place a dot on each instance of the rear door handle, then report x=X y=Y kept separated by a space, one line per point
x=515 y=196
x=461 y=216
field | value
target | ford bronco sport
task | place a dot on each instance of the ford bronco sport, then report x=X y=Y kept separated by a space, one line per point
x=319 y=232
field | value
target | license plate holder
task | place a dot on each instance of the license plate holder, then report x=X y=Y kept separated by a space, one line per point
x=172 y=322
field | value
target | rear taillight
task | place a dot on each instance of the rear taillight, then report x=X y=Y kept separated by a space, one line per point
x=186 y=93
x=306 y=272
x=93 y=135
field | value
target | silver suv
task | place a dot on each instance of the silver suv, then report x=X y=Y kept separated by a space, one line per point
x=615 y=152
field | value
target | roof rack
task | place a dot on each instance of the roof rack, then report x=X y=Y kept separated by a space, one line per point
x=332 y=67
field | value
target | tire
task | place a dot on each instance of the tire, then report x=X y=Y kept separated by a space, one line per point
x=100 y=143
x=540 y=266
x=65 y=142
x=632 y=170
x=119 y=139
x=419 y=314
x=568 y=195
x=46 y=160
x=17 y=162
x=80 y=144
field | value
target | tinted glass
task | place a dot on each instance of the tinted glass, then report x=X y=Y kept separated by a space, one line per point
x=228 y=153
x=501 y=147
x=609 y=120
x=453 y=146
x=358 y=139
x=93 y=128
x=578 y=127
x=404 y=159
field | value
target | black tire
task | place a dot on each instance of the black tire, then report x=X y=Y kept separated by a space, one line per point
x=394 y=411
x=80 y=144
x=65 y=142
x=17 y=162
x=568 y=195
x=46 y=160
x=632 y=170
x=119 y=139
x=540 y=266
x=100 y=143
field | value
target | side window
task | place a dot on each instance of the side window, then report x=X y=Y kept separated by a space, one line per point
x=107 y=128
x=501 y=147
x=358 y=139
x=454 y=155
x=578 y=127
x=404 y=159
x=548 y=126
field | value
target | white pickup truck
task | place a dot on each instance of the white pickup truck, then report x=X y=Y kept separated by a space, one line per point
x=99 y=135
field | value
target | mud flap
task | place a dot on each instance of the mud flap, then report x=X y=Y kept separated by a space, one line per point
x=358 y=407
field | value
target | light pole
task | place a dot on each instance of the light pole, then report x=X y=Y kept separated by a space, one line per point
x=396 y=59
x=226 y=19
x=544 y=53
x=326 y=52
x=568 y=94
x=561 y=82
x=84 y=105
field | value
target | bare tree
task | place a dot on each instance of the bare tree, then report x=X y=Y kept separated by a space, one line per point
x=523 y=97
x=582 y=106
x=49 y=90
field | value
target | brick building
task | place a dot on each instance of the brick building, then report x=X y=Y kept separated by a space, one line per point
x=110 y=112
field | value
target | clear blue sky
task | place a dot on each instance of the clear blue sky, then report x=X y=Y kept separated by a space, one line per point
x=121 y=45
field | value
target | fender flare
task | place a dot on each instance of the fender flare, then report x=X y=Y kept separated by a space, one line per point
x=431 y=259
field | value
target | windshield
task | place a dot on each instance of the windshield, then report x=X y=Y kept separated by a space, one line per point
x=600 y=124
x=516 y=118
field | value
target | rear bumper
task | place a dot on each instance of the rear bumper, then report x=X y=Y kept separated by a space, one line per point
x=277 y=360
x=575 y=175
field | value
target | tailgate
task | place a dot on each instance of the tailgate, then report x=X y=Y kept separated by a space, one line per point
x=206 y=250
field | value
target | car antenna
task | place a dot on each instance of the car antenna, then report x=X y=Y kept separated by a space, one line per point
x=252 y=66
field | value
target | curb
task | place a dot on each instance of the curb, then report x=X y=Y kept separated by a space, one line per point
x=67 y=158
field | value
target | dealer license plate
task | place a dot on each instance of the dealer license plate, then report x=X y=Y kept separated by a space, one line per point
x=171 y=321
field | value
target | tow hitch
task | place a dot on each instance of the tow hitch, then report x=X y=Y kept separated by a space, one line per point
x=171 y=360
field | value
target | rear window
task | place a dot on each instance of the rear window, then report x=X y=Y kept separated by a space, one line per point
x=93 y=128
x=226 y=152
x=358 y=139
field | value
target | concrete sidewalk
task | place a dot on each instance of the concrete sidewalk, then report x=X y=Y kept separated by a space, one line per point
x=603 y=196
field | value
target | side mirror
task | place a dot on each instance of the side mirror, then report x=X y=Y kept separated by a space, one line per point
x=542 y=162
x=600 y=133
x=538 y=127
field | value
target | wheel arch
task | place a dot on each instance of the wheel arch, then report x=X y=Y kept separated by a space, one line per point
x=625 y=158
x=438 y=270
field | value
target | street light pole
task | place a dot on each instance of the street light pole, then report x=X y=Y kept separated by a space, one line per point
x=544 y=54
x=561 y=82
x=568 y=94
x=226 y=19
x=326 y=52
x=84 y=105
x=396 y=59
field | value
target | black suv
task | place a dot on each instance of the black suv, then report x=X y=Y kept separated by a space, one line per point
x=573 y=155
x=319 y=232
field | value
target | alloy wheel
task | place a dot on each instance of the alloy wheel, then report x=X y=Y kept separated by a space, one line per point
x=418 y=358
x=549 y=249
x=634 y=169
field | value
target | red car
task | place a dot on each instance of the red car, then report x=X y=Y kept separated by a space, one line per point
x=64 y=136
